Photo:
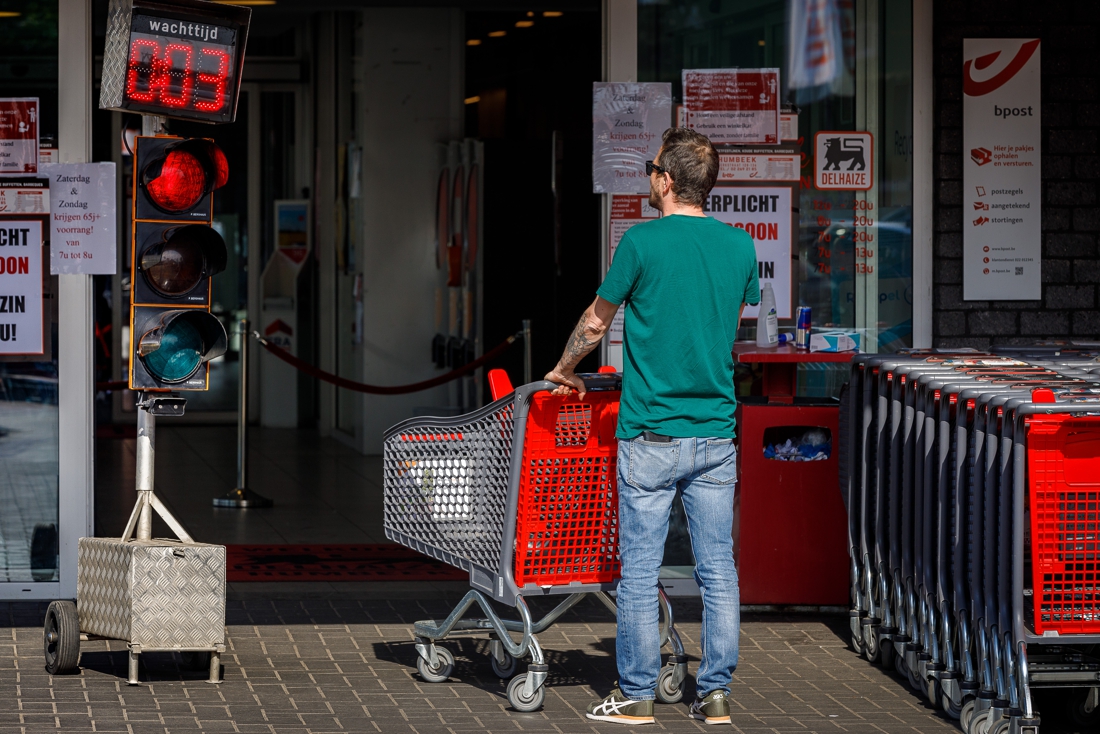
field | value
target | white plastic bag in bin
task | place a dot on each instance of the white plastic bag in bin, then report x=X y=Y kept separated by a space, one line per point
x=444 y=484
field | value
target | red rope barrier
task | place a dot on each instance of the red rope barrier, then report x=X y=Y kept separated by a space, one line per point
x=377 y=389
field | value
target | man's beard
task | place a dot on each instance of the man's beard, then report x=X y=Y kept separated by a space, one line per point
x=654 y=196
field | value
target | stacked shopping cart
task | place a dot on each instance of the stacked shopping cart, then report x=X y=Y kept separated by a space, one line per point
x=972 y=483
x=522 y=495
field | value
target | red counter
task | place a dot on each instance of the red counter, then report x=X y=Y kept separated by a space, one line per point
x=790 y=527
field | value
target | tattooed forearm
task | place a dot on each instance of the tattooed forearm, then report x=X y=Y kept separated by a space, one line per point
x=586 y=336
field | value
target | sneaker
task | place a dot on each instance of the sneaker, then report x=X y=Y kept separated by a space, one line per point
x=621 y=710
x=713 y=709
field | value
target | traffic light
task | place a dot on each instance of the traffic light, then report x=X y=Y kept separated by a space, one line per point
x=174 y=254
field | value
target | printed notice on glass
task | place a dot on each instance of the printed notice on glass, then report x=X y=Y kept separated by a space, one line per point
x=628 y=120
x=626 y=211
x=765 y=213
x=739 y=106
x=748 y=163
x=1002 y=184
x=82 y=218
x=20 y=286
x=24 y=195
x=18 y=135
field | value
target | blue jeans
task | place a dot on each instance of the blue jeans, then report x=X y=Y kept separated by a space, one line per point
x=705 y=471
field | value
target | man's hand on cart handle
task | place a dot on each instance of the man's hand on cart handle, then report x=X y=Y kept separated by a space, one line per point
x=589 y=332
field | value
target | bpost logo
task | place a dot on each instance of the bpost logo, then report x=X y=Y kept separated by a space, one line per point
x=975 y=88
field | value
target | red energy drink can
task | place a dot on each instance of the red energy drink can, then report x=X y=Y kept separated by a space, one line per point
x=802 y=328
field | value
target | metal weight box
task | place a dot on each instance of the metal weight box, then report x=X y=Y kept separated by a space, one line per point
x=155 y=594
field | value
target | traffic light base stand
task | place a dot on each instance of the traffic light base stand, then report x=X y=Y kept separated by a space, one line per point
x=241 y=498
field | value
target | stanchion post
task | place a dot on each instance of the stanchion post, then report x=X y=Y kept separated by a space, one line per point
x=241 y=497
x=146 y=452
x=527 y=377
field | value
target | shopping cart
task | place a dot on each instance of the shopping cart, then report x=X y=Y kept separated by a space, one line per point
x=522 y=495
x=974 y=496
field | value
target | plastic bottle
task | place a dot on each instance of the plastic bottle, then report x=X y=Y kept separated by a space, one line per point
x=767 y=322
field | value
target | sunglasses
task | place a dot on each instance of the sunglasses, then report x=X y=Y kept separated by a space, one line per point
x=650 y=167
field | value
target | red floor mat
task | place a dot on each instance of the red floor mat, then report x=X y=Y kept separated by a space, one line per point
x=334 y=562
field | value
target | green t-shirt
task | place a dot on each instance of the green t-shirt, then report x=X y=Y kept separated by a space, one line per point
x=682 y=280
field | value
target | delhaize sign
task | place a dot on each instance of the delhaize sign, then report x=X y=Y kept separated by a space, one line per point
x=1002 y=185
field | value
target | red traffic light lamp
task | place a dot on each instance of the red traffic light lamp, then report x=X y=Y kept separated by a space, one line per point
x=175 y=253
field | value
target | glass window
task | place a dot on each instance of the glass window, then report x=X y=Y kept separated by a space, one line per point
x=854 y=248
x=28 y=384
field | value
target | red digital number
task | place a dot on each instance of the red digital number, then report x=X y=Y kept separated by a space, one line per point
x=168 y=70
x=139 y=67
x=218 y=79
x=156 y=77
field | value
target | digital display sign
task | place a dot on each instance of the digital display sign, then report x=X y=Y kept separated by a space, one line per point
x=182 y=60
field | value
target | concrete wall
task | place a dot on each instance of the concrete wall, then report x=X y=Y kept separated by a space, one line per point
x=412 y=99
x=1070 y=169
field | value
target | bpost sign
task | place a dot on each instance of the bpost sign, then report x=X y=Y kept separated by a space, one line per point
x=765 y=213
x=1002 y=183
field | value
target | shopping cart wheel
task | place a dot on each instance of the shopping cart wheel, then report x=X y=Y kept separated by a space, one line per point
x=521 y=702
x=949 y=706
x=980 y=723
x=933 y=691
x=1083 y=718
x=966 y=715
x=667 y=691
x=505 y=671
x=871 y=646
x=440 y=673
x=1001 y=727
x=61 y=637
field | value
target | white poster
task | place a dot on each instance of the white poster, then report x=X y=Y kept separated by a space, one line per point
x=628 y=120
x=739 y=106
x=626 y=211
x=83 y=220
x=1002 y=183
x=765 y=213
x=20 y=287
x=749 y=163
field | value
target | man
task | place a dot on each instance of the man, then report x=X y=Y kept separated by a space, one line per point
x=685 y=279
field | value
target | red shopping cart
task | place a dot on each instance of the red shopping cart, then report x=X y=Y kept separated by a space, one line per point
x=522 y=495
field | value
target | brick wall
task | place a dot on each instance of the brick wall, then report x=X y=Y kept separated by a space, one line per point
x=1070 y=30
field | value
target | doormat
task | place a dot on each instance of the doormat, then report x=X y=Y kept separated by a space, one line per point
x=334 y=562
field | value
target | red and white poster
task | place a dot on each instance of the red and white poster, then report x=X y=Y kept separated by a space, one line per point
x=626 y=211
x=18 y=135
x=748 y=163
x=21 y=322
x=739 y=106
x=1002 y=181
x=765 y=213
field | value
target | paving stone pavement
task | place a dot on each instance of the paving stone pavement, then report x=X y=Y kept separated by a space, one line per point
x=339 y=665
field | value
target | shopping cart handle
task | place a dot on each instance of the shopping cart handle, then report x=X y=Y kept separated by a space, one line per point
x=602 y=381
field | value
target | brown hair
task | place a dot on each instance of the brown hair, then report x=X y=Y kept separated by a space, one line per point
x=691 y=161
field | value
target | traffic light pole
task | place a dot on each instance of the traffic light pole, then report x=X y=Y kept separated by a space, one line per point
x=241 y=497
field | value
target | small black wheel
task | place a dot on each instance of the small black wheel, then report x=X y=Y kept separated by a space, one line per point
x=666 y=691
x=1001 y=727
x=196 y=659
x=933 y=692
x=980 y=723
x=519 y=701
x=506 y=671
x=949 y=706
x=61 y=637
x=914 y=680
x=1085 y=720
x=966 y=715
x=871 y=646
x=440 y=673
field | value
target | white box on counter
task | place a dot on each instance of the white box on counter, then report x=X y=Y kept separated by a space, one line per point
x=835 y=341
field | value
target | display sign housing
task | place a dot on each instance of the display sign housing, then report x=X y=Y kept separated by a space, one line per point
x=180 y=60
